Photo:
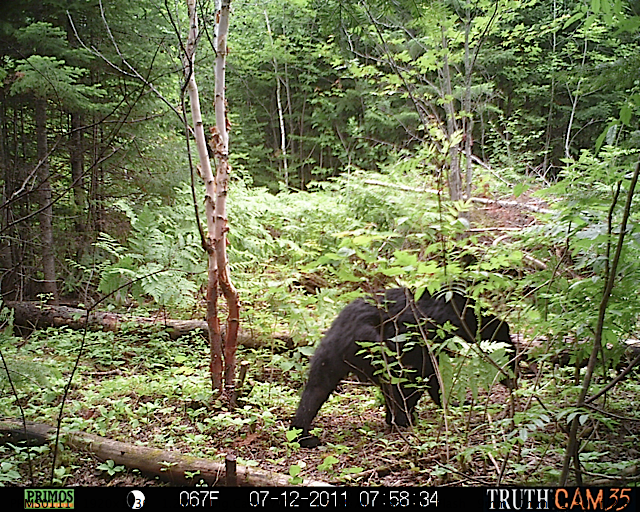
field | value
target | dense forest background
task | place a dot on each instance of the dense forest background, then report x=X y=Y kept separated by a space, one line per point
x=490 y=143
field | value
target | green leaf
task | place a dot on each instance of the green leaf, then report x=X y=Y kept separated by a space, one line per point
x=294 y=470
x=328 y=463
x=393 y=271
x=345 y=252
x=307 y=350
x=362 y=240
x=293 y=434
x=577 y=16
x=350 y=471
x=519 y=189
x=404 y=259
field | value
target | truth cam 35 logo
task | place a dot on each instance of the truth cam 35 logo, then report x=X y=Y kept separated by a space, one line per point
x=569 y=499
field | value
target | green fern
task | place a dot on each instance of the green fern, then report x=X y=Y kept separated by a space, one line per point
x=24 y=372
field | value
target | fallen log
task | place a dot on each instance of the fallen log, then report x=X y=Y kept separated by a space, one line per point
x=169 y=466
x=37 y=316
x=32 y=315
x=482 y=200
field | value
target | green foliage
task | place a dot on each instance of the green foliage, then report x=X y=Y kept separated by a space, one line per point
x=288 y=228
x=43 y=38
x=110 y=467
x=475 y=367
x=27 y=372
x=48 y=77
x=163 y=251
x=587 y=227
x=553 y=95
x=45 y=72
x=8 y=473
x=294 y=472
x=328 y=463
x=332 y=123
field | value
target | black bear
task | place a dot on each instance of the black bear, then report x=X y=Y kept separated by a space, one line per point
x=395 y=325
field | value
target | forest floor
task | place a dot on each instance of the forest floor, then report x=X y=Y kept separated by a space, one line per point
x=363 y=451
x=471 y=445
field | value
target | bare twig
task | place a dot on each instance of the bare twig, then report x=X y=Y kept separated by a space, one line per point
x=618 y=378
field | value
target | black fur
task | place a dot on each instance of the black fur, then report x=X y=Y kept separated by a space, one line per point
x=388 y=318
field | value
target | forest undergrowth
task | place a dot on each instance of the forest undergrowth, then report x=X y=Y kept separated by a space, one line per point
x=297 y=259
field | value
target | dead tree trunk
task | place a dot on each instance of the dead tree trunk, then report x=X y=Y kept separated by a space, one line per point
x=31 y=315
x=46 y=205
x=169 y=466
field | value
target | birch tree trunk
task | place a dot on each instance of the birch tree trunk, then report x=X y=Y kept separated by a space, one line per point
x=575 y=98
x=283 y=137
x=223 y=169
x=215 y=205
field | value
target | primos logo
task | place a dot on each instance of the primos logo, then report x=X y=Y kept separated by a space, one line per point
x=48 y=498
